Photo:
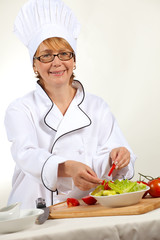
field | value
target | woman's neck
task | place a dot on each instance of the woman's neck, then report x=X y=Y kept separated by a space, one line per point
x=62 y=96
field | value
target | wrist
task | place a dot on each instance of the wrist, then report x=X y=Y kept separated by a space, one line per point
x=64 y=169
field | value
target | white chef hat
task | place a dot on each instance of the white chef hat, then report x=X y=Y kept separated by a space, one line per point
x=41 y=19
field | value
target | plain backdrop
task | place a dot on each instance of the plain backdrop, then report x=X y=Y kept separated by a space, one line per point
x=118 y=58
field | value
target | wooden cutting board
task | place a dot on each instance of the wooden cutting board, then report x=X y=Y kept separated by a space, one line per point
x=62 y=211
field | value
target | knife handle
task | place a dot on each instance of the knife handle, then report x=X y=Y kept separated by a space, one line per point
x=40 y=203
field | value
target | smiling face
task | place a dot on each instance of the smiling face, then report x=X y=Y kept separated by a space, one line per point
x=57 y=72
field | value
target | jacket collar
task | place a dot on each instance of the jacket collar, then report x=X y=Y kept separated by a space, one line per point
x=75 y=118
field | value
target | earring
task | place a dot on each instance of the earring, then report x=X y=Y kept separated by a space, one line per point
x=74 y=68
x=36 y=72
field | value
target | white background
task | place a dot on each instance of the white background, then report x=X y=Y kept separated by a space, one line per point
x=118 y=59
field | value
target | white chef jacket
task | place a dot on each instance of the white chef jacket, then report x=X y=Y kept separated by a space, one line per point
x=42 y=138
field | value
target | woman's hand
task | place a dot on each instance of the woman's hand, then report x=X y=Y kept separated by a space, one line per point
x=120 y=157
x=83 y=176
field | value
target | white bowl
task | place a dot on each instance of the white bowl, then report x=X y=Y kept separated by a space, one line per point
x=26 y=220
x=121 y=200
x=10 y=212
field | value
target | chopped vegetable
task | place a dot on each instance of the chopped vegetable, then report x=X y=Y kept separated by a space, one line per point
x=106 y=187
x=89 y=200
x=122 y=186
x=72 y=202
x=98 y=189
x=111 y=170
x=100 y=193
x=118 y=187
x=145 y=194
x=109 y=192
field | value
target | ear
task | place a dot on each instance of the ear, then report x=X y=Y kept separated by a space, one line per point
x=34 y=67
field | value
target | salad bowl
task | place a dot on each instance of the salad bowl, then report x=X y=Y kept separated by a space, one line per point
x=119 y=193
x=121 y=200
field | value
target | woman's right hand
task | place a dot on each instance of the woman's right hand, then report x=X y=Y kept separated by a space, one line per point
x=83 y=176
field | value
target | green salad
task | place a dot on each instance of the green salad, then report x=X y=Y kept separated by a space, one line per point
x=108 y=188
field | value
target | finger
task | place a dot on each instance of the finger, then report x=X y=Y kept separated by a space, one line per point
x=121 y=164
x=124 y=161
x=113 y=155
x=121 y=154
x=90 y=178
x=85 y=185
x=91 y=172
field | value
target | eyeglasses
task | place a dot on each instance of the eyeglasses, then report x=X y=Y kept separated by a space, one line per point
x=63 y=56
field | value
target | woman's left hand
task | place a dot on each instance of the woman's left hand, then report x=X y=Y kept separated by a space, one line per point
x=120 y=157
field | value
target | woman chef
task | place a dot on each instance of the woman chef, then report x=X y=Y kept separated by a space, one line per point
x=64 y=140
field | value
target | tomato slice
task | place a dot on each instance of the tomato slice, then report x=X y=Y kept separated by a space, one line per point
x=89 y=200
x=72 y=202
x=103 y=182
x=106 y=187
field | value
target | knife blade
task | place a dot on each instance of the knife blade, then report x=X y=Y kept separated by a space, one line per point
x=40 y=203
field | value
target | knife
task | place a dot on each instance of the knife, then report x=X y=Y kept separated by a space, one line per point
x=40 y=203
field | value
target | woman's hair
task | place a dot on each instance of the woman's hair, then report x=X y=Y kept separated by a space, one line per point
x=56 y=43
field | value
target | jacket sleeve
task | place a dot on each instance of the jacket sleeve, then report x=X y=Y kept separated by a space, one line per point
x=110 y=137
x=30 y=158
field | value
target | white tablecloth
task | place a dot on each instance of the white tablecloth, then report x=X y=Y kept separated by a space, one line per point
x=133 y=227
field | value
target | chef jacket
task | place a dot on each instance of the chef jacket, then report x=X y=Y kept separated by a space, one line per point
x=42 y=138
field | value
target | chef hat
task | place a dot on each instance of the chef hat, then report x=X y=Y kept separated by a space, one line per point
x=41 y=19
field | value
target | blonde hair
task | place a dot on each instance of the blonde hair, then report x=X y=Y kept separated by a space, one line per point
x=56 y=43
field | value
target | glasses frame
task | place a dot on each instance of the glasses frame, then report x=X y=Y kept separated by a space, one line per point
x=55 y=55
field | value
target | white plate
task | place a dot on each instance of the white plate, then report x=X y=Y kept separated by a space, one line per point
x=121 y=200
x=10 y=212
x=26 y=220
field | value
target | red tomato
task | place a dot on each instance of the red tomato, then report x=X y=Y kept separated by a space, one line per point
x=89 y=200
x=154 y=185
x=106 y=187
x=72 y=202
x=103 y=182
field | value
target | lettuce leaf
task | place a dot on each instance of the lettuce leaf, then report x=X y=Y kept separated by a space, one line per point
x=119 y=187
x=125 y=186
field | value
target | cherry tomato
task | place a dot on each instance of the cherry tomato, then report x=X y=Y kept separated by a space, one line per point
x=154 y=185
